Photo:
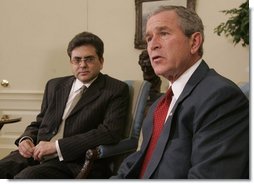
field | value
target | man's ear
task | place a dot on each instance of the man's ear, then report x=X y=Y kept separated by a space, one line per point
x=102 y=62
x=197 y=40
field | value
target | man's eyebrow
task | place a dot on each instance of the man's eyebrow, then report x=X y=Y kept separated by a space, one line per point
x=89 y=56
x=160 y=28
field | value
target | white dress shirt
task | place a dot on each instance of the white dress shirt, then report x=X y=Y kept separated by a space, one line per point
x=179 y=84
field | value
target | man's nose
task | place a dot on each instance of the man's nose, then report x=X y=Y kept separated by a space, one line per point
x=154 y=43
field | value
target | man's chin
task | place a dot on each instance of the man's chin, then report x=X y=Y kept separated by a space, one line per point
x=84 y=79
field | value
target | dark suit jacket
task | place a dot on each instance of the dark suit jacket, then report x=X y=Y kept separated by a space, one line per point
x=207 y=135
x=98 y=118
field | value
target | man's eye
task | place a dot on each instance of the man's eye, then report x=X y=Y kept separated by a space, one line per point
x=163 y=33
x=90 y=59
x=77 y=59
x=148 y=39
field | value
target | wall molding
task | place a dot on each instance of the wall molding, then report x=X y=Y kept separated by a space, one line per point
x=20 y=100
x=18 y=103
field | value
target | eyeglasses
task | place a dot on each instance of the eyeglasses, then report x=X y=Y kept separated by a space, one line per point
x=87 y=60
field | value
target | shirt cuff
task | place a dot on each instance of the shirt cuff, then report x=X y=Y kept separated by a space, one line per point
x=25 y=137
x=59 y=151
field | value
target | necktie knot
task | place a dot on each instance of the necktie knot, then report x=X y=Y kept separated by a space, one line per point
x=82 y=89
x=169 y=95
x=75 y=100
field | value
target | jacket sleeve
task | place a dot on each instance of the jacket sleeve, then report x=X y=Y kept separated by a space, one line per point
x=220 y=136
x=127 y=170
x=31 y=130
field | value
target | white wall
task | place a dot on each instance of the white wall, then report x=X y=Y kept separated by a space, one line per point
x=220 y=52
x=114 y=21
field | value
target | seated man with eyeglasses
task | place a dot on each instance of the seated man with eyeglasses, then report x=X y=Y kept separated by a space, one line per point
x=78 y=112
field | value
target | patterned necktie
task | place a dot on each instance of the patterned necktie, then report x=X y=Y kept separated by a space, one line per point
x=66 y=114
x=75 y=101
x=160 y=115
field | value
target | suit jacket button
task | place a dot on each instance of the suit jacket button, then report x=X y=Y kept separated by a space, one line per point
x=54 y=132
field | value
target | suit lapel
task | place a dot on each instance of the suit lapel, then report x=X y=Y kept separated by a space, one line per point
x=197 y=76
x=62 y=95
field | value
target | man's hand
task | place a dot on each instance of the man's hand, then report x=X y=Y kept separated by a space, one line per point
x=44 y=148
x=26 y=148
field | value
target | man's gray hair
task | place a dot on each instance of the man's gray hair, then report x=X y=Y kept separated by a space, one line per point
x=189 y=21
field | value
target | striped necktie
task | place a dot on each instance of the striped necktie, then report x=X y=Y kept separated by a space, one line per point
x=73 y=104
x=75 y=101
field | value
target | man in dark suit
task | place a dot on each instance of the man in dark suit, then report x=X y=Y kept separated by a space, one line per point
x=205 y=132
x=54 y=145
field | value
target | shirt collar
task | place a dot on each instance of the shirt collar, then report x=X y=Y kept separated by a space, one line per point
x=179 y=84
x=78 y=84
